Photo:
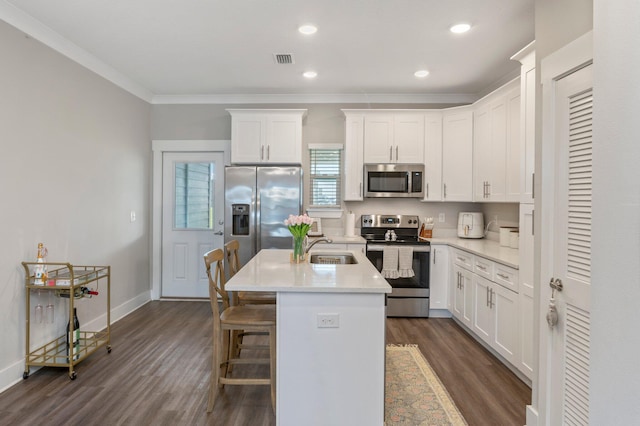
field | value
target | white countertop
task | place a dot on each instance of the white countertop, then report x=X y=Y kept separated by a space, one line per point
x=271 y=270
x=490 y=249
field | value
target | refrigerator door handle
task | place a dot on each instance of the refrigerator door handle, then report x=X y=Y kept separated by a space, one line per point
x=258 y=229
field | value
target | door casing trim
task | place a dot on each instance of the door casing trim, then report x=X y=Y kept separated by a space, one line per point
x=158 y=148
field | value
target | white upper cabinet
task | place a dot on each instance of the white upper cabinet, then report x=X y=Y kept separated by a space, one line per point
x=393 y=137
x=514 y=145
x=495 y=143
x=353 y=157
x=457 y=154
x=433 y=156
x=266 y=136
x=527 y=58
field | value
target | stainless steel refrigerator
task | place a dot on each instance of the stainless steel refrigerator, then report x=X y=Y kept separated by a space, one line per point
x=257 y=201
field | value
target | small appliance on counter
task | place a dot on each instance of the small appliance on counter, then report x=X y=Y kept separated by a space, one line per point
x=470 y=225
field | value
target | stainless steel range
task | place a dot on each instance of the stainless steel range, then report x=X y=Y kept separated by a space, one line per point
x=395 y=250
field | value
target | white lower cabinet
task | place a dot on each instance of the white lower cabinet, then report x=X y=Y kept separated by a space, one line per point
x=505 y=338
x=486 y=300
x=439 y=278
x=462 y=295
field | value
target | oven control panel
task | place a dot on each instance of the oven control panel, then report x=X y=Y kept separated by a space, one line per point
x=389 y=221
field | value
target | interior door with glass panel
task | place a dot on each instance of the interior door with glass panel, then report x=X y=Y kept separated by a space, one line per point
x=192 y=220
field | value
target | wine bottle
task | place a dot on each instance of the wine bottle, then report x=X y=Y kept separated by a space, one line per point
x=40 y=270
x=74 y=338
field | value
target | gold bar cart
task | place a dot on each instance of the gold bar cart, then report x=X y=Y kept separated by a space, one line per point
x=67 y=281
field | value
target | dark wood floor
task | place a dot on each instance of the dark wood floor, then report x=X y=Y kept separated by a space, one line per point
x=158 y=371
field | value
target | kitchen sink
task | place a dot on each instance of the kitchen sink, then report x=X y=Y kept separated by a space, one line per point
x=333 y=259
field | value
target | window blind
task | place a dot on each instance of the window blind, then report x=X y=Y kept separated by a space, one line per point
x=325 y=177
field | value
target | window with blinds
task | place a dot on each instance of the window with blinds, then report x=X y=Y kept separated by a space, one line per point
x=325 y=167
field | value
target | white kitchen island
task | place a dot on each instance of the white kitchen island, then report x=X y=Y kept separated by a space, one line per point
x=330 y=337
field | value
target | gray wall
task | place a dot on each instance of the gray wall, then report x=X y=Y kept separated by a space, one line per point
x=75 y=161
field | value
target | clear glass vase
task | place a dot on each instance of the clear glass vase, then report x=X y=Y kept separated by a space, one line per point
x=298 y=255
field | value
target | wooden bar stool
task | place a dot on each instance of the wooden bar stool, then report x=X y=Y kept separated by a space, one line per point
x=245 y=297
x=226 y=321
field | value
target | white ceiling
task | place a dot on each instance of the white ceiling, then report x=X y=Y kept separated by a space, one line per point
x=225 y=47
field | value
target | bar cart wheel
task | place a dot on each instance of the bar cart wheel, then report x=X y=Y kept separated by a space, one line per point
x=25 y=375
x=73 y=375
x=109 y=349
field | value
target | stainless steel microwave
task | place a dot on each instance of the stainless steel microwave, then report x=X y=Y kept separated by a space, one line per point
x=393 y=180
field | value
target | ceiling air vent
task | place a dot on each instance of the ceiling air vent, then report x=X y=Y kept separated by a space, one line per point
x=283 y=58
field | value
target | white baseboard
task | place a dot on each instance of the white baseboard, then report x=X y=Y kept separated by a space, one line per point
x=439 y=313
x=12 y=374
x=532 y=416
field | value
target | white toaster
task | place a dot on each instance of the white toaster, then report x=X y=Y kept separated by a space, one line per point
x=470 y=225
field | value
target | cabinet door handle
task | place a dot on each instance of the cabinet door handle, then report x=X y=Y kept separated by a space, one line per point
x=262 y=152
x=445 y=190
x=268 y=146
x=533 y=185
x=390 y=153
x=396 y=152
x=487 y=301
x=434 y=256
x=533 y=222
x=361 y=189
x=491 y=304
x=427 y=190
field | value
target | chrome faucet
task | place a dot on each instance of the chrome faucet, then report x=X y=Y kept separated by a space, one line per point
x=319 y=240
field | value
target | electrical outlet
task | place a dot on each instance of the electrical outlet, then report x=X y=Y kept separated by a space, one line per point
x=441 y=217
x=328 y=320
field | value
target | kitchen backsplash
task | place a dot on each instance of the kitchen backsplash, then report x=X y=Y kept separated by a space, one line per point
x=508 y=214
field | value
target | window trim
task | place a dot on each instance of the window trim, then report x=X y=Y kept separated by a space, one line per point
x=333 y=211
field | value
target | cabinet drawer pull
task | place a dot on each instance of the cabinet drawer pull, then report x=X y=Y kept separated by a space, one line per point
x=503 y=276
x=481 y=267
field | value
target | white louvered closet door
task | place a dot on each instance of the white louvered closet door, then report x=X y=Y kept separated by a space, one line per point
x=572 y=249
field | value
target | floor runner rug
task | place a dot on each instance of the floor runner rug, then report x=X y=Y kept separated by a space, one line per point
x=413 y=393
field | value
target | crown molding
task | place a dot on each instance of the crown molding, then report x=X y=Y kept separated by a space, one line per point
x=300 y=98
x=38 y=31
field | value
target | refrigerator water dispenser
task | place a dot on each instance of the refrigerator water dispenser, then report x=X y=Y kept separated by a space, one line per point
x=240 y=219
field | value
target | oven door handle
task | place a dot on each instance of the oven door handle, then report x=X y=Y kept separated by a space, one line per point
x=418 y=248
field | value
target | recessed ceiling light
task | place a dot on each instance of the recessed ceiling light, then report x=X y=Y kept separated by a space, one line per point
x=310 y=74
x=421 y=73
x=308 y=29
x=460 y=28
